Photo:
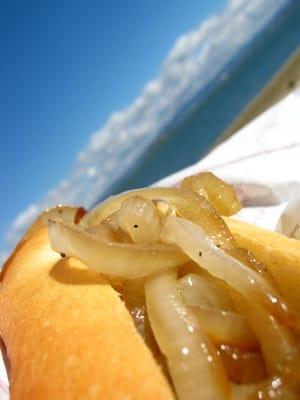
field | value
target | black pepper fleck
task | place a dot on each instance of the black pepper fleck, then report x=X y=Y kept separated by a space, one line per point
x=200 y=253
x=62 y=255
x=135 y=226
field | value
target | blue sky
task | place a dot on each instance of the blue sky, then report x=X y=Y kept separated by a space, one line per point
x=65 y=66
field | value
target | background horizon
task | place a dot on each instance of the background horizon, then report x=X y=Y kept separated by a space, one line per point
x=66 y=67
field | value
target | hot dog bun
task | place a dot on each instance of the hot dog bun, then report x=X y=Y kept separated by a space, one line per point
x=68 y=334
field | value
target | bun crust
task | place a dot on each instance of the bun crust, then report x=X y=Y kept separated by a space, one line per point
x=279 y=253
x=68 y=334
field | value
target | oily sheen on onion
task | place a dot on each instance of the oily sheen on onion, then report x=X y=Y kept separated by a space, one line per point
x=209 y=310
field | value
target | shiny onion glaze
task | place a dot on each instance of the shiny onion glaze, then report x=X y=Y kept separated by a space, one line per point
x=219 y=193
x=194 y=242
x=223 y=329
x=129 y=261
x=192 y=359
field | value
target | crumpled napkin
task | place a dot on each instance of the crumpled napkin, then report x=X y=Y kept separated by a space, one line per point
x=262 y=161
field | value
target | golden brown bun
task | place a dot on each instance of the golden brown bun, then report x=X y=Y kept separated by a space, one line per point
x=67 y=333
x=69 y=336
x=280 y=254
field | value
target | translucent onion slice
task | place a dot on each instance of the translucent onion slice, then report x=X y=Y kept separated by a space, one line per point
x=187 y=204
x=277 y=343
x=102 y=231
x=275 y=388
x=247 y=257
x=61 y=212
x=140 y=219
x=118 y=259
x=112 y=221
x=194 y=242
x=205 y=292
x=227 y=327
x=190 y=206
x=215 y=311
x=272 y=391
x=242 y=366
x=133 y=294
x=134 y=297
x=164 y=208
x=194 y=365
x=220 y=194
x=122 y=236
x=246 y=392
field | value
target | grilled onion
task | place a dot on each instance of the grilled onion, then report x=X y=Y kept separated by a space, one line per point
x=188 y=205
x=219 y=193
x=227 y=327
x=193 y=361
x=140 y=219
x=61 y=212
x=118 y=259
x=242 y=366
x=194 y=242
x=133 y=294
x=204 y=291
x=230 y=301
x=277 y=343
x=215 y=311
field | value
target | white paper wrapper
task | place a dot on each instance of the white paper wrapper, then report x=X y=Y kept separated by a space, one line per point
x=3 y=381
x=289 y=221
x=263 y=162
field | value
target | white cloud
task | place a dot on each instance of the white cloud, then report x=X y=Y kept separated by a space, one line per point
x=28 y=215
x=18 y=226
x=193 y=61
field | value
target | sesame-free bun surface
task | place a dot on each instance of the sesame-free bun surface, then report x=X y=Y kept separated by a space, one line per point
x=68 y=334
